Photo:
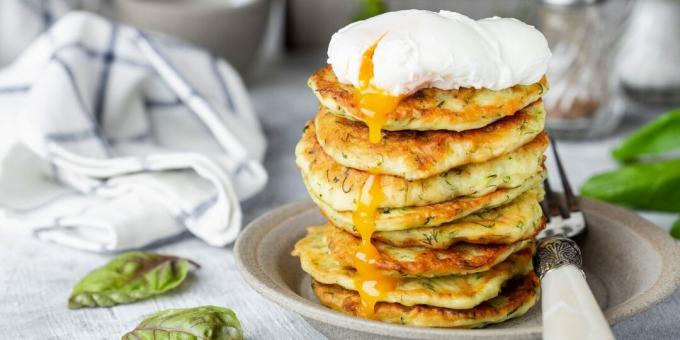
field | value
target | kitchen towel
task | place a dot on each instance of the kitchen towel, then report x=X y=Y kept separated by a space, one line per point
x=112 y=138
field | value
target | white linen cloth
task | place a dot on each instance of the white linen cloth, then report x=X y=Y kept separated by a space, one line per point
x=111 y=138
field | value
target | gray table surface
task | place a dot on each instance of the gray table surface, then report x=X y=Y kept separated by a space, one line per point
x=36 y=278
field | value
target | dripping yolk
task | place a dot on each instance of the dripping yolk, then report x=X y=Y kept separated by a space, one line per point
x=374 y=103
x=371 y=284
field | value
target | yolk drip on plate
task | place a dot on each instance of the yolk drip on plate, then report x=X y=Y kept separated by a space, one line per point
x=374 y=103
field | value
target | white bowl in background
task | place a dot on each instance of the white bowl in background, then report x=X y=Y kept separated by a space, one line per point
x=232 y=29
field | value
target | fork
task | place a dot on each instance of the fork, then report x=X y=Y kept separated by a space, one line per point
x=569 y=307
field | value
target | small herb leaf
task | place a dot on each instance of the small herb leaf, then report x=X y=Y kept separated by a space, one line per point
x=206 y=322
x=651 y=186
x=653 y=139
x=675 y=230
x=127 y=278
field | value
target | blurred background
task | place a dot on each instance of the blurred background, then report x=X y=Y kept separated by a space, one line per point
x=614 y=69
x=611 y=57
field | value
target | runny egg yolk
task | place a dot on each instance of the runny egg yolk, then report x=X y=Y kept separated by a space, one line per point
x=374 y=103
x=371 y=284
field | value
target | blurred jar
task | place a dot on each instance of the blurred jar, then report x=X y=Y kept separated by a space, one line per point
x=650 y=53
x=584 y=100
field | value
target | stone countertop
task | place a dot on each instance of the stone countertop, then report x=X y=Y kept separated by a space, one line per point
x=36 y=277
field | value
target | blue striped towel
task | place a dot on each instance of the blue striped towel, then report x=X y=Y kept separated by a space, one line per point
x=113 y=139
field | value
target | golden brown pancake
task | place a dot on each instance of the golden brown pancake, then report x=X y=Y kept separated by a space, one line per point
x=522 y=219
x=390 y=219
x=430 y=109
x=340 y=186
x=421 y=154
x=514 y=300
x=462 y=258
x=453 y=291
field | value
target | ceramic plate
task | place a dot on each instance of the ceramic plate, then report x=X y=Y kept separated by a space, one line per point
x=630 y=263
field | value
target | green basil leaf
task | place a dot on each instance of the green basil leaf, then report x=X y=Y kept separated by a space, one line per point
x=655 y=138
x=206 y=322
x=675 y=230
x=652 y=186
x=127 y=278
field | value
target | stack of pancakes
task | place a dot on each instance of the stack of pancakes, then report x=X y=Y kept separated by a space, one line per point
x=460 y=172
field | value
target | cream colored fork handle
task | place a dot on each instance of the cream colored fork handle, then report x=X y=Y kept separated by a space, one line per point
x=569 y=307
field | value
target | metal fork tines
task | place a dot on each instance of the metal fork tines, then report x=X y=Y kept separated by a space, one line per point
x=563 y=213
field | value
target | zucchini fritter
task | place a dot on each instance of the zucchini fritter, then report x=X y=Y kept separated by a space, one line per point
x=462 y=258
x=389 y=219
x=453 y=291
x=339 y=186
x=421 y=154
x=521 y=219
x=431 y=108
x=514 y=300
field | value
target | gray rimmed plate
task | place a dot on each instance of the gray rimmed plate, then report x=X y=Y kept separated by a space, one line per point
x=631 y=265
